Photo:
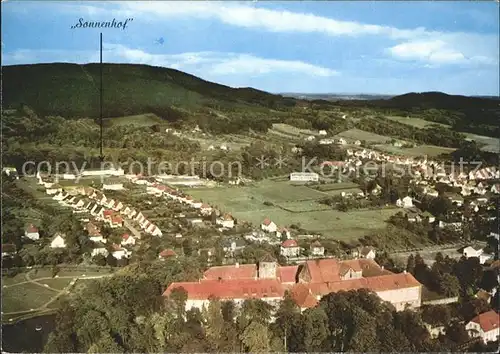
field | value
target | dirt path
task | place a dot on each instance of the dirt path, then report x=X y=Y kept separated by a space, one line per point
x=58 y=294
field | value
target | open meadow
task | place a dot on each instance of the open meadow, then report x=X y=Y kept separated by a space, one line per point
x=286 y=204
x=358 y=134
x=415 y=122
x=422 y=150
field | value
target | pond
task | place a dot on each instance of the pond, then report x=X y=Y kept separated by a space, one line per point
x=27 y=336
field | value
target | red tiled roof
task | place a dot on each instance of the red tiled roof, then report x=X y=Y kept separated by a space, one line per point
x=242 y=271
x=227 y=217
x=189 y=197
x=230 y=289
x=302 y=296
x=168 y=253
x=323 y=270
x=31 y=229
x=287 y=274
x=487 y=320
x=289 y=244
x=107 y=213
x=266 y=222
x=116 y=219
x=205 y=206
x=125 y=236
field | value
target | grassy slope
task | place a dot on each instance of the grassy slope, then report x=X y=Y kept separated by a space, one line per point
x=72 y=90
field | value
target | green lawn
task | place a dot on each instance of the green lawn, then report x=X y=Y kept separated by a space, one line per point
x=422 y=150
x=24 y=297
x=303 y=206
x=18 y=278
x=333 y=224
x=56 y=283
x=336 y=186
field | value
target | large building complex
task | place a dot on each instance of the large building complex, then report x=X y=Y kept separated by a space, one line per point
x=307 y=283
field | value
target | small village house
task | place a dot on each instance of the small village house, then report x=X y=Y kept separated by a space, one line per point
x=268 y=226
x=316 y=249
x=484 y=326
x=406 y=202
x=290 y=248
x=127 y=240
x=58 y=241
x=31 y=232
x=168 y=253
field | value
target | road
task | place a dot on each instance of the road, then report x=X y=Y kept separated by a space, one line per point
x=132 y=229
x=429 y=253
x=58 y=294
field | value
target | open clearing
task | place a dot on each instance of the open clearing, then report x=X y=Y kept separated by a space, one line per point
x=415 y=122
x=142 y=120
x=56 y=283
x=423 y=150
x=289 y=205
x=25 y=297
x=357 y=134
x=291 y=130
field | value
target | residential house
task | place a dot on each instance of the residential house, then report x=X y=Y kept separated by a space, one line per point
x=55 y=188
x=376 y=190
x=290 y=248
x=206 y=209
x=58 y=241
x=118 y=252
x=406 y=202
x=357 y=142
x=231 y=247
x=283 y=232
x=316 y=249
x=341 y=141
x=99 y=248
x=322 y=132
x=8 y=249
x=485 y=326
x=112 y=186
x=31 y=232
x=476 y=251
x=495 y=189
x=367 y=252
x=268 y=226
x=128 y=240
x=168 y=253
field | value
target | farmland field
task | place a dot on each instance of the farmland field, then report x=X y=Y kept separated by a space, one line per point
x=415 y=122
x=357 y=134
x=423 y=150
x=336 y=186
x=247 y=204
x=303 y=206
x=291 y=130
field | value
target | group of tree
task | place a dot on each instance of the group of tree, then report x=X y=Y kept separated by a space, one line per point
x=127 y=313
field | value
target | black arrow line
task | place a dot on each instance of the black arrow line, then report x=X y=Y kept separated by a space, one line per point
x=101 y=156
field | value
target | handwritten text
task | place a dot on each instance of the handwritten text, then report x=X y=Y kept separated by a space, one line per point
x=102 y=24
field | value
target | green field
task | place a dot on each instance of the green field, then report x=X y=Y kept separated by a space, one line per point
x=303 y=206
x=422 y=150
x=357 y=134
x=336 y=186
x=56 y=283
x=25 y=297
x=140 y=120
x=291 y=130
x=301 y=202
x=415 y=122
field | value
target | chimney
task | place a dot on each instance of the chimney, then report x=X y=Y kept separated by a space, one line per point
x=404 y=271
x=237 y=265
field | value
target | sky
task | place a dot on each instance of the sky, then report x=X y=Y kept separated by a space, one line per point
x=277 y=46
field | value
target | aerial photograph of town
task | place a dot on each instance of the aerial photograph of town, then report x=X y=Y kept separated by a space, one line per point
x=250 y=176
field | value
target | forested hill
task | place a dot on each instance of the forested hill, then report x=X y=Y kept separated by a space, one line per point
x=473 y=114
x=72 y=90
